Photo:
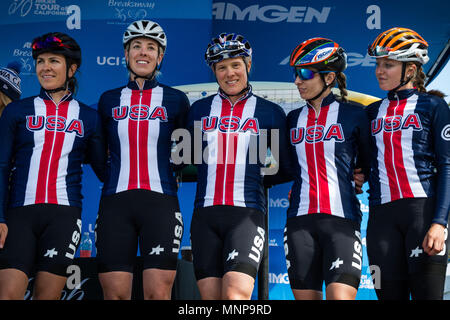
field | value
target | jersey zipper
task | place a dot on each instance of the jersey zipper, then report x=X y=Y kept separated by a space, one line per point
x=227 y=140
x=393 y=150
x=226 y=156
x=137 y=139
x=315 y=160
x=53 y=145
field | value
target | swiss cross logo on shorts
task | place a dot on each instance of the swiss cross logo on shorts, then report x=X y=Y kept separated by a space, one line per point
x=445 y=134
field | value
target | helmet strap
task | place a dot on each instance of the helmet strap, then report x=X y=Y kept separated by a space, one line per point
x=247 y=88
x=62 y=88
x=150 y=77
x=402 y=82
x=325 y=87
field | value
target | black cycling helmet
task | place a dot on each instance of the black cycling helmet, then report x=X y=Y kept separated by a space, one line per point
x=225 y=46
x=57 y=42
x=60 y=43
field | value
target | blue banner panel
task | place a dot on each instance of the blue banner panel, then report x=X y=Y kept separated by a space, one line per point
x=275 y=28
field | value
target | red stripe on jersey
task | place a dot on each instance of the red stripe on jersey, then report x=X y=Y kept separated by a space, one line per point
x=319 y=196
x=231 y=156
x=144 y=178
x=132 y=138
x=324 y=193
x=221 y=154
x=388 y=163
x=393 y=155
x=63 y=109
x=309 y=150
x=41 y=187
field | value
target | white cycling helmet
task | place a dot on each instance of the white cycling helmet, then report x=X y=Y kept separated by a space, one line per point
x=400 y=44
x=147 y=29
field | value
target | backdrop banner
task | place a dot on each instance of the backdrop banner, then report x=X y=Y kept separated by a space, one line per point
x=273 y=27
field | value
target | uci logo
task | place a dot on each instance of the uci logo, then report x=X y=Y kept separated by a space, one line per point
x=445 y=134
x=111 y=61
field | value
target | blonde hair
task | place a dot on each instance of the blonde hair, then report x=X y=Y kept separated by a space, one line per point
x=4 y=101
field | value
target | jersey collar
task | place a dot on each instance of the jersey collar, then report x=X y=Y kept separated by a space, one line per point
x=45 y=96
x=148 y=84
x=401 y=94
x=329 y=99
x=245 y=96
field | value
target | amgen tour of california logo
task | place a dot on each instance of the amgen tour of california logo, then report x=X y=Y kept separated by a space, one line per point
x=37 y=7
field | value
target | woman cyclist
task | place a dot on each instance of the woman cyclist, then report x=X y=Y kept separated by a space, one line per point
x=228 y=228
x=139 y=202
x=44 y=141
x=410 y=177
x=330 y=139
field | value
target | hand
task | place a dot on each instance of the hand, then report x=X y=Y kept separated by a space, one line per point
x=358 y=177
x=3 y=234
x=434 y=240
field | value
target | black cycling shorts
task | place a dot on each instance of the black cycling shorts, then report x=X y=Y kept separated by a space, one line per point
x=321 y=247
x=227 y=238
x=41 y=237
x=151 y=219
x=395 y=233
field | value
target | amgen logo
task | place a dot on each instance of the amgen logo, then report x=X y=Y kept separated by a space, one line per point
x=278 y=203
x=270 y=13
x=279 y=278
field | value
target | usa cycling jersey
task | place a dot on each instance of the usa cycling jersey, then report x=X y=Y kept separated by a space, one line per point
x=328 y=147
x=138 y=124
x=44 y=145
x=230 y=170
x=411 y=150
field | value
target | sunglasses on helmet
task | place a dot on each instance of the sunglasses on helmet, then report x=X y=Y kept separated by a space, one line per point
x=379 y=51
x=306 y=74
x=49 y=43
x=227 y=45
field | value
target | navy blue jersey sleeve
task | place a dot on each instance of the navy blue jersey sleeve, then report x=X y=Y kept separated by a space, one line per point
x=7 y=134
x=96 y=150
x=180 y=121
x=441 y=137
x=195 y=133
x=285 y=167
x=363 y=156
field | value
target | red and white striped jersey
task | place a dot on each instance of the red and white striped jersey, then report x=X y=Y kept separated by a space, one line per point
x=45 y=145
x=229 y=171
x=138 y=125
x=411 y=150
x=328 y=147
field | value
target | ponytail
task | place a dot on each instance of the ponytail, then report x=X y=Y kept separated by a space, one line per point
x=72 y=83
x=419 y=82
x=342 y=85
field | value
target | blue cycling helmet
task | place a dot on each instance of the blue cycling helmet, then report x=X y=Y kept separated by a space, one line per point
x=225 y=46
